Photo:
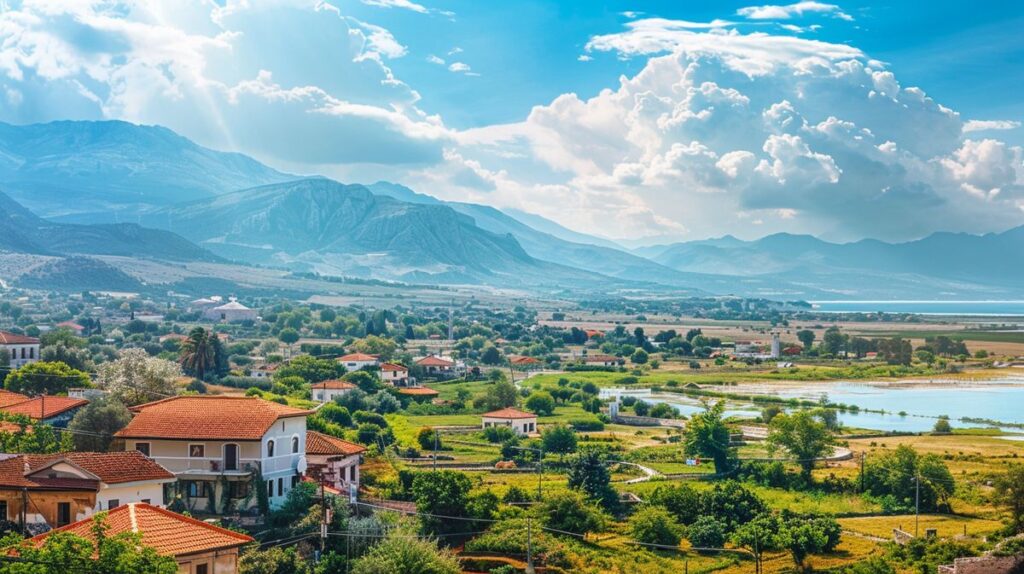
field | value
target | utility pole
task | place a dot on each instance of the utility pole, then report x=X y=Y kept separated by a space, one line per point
x=323 y=518
x=435 y=448
x=529 y=545
x=863 y=456
x=540 y=473
x=917 y=503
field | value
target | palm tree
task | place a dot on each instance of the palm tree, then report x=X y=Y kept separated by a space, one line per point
x=197 y=353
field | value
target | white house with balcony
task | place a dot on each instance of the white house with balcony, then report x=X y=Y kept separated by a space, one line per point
x=356 y=361
x=21 y=350
x=215 y=442
x=333 y=461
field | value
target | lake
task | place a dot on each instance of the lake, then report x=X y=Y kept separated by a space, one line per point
x=998 y=399
x=960 y=308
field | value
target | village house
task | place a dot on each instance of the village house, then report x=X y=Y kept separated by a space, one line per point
x=525 y=363
x=522 y=422
x=197 y=547
x=333 y=461
x=422 y=394
x=53 y=490
x=54 y=411
x=437 y=367
x=20 y=349
x=71 y=326
x=263 y=372
x=356 y=361
x=325 y=391
x=215 y=442
x=601 y=360
x=231 y=312
x=394 y=374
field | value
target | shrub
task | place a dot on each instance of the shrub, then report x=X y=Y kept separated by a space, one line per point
x=498 y=434
x=569 y=512
x=706 y=532
x=654 y=525
x=586 y=425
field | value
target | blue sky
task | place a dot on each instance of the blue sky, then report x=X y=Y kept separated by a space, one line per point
x=643 y=121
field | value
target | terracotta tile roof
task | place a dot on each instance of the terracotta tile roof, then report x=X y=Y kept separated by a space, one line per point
x=71 y=325
x=169 y=533
x=8 y=398
x=393 y=367
x=600 y=359
x=14 y=468
x=319 y=443
x=418 y=392
x=207 y=418
x=509 y=413
x=524 y=361
x=44 y=407
x=433 y=361
x=334 y=385
x=357 y=357
x=117 y=467
x=8 y=338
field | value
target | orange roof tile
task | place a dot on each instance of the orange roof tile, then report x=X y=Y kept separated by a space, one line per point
x=334 y=385
x=114 y=467
x=418 y=392
x=524 y=361
x=8 y=398
x=393 y=367
x=600 y=359
x=207 y=418
x=8 y=338
x=434 y=361
x=319 y=443
x=71 y=325
x=358 y=357
x=14 y=468
x=44 y=407
x=169 y=533
x=509 y=413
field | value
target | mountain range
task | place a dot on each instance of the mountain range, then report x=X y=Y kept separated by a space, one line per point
x=197 y=204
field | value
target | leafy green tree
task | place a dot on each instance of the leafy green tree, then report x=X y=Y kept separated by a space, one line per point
x=541 y=403
x=558 y=439
x=401 y=551
x=806 y=336
x=498 y=396
x=310 y=369
x=94 y=425
x=45 y=378
x=136 y=378
x=894 y=475
x=491 y=356
x=429 y=439
x=804 y=437
x=382 y=347
x=288 y=336
x=442 y=493
x=1009 y=490
x=834 y=341
x=760 y=535
x=706 y=532
x=63 y=552
x=25 y=436
x=272 y=561
x=639 y=356
x=707 y=436
x=732 y=504
x=654 y=525
x=366 y=382
x=569 y=512
x=942 y=426
x=588 y=471
x=74 y=357
x=806 y=535
x=679 y=499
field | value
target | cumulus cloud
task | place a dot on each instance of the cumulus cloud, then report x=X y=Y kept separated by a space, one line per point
x=721 y=129
x=403 y=4
x=777 y=12
x=982 y=125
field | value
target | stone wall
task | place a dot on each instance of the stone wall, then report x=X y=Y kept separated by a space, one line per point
x=984 y=565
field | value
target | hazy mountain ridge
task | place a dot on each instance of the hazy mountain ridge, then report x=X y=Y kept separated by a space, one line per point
x=106 y=164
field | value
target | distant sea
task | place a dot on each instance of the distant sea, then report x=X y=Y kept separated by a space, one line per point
x=962 y=308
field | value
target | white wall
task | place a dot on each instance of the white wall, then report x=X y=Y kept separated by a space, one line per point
x=151 y=491
x=284 y=464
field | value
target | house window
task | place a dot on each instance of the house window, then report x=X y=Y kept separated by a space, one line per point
x=147 y=501
x=231 y=457
x=197 y=451
x=3 y=509
x=270 y=488
x=295 y=480
x=196 y=489
x=142 y=447
x=31 y=352
x=63 y=514
x=352 y=473
x=238 y=489
x=202 y=569
x=270 y=449
x=280 y=487
x=23 y=352
x=114 y=503
x=295 y=444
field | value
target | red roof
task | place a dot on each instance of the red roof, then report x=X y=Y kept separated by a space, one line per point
x=115 y=467
x=8 y=338
x=334 y=385
x=71 y=325
x=207 y=418
x=44 y=407
x=14 y=469
x=418 y=392
x=524 y=361
x=169 y=533
x=358 y=357
x=8 y=398
x=434 y=361
x=600 y=359
x=319 y=443
x=509 y=413
x=393 y=367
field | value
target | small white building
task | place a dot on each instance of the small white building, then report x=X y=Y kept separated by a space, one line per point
x=20 y=349
x=394 y=374
x=356 y=361
x=332 y=460
x=325 y=391
x=232 y=312
x=123 y=477
x=522 y=422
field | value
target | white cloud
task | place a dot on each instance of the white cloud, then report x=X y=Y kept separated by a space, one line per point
x=459 y=67
x=980 y=125
x=584 y=58
x=798 y=9
x=435 y=60
x=403 y=4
